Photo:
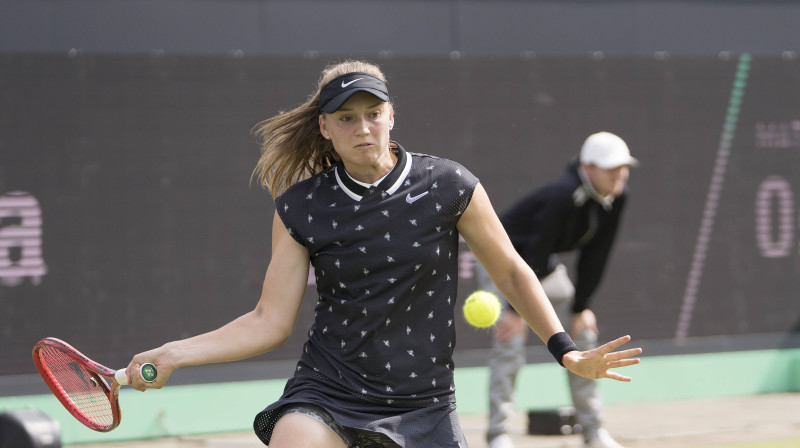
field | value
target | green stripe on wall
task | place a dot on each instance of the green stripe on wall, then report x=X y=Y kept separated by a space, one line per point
x=223 y=407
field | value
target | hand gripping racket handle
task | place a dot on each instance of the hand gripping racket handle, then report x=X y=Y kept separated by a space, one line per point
x=147 y=370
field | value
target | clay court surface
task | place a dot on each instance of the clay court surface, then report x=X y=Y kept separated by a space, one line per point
x=757 y=421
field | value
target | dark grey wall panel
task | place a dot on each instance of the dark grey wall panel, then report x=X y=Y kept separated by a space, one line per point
x=357 y=27
x=504 y=28
x=548 y=28
x=700 y=28
x=27 y=26
x=172 y=25
x=126 y=218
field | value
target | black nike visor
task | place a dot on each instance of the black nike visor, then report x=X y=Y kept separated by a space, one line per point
x=341 y=88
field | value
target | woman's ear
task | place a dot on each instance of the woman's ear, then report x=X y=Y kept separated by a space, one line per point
x=323 y=128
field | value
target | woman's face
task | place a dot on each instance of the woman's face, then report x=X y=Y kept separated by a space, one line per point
x=608 y=182
x=360 y=129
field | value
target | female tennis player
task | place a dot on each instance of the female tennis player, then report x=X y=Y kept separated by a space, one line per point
x=381 y=226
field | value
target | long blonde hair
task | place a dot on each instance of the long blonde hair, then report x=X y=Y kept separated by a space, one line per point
x=292 y=147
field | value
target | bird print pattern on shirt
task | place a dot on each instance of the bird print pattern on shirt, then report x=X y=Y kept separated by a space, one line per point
x=386 y=275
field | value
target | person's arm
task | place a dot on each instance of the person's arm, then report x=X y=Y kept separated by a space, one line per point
x=487 y=239
x=536 y=223
x=265 y=328
x=591 y=265
x=593 y=256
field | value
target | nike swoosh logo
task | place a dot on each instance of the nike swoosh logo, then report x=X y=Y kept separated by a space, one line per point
x=410 y=199
x=345 y=84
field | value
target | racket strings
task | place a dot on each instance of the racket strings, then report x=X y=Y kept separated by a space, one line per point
x=78 y=386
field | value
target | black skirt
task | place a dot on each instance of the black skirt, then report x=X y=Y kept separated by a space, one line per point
x=433 y=425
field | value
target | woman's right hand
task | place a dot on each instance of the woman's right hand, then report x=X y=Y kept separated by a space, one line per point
x=160 y=358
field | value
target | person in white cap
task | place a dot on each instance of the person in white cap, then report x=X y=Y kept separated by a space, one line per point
x=579 y=212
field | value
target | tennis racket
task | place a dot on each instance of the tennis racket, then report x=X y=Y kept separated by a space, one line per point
x=80 y=383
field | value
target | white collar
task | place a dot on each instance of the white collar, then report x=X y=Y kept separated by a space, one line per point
x=394 y=187
x=366 y=185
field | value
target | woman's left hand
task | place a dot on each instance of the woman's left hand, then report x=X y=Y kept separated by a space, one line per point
x=596 y=363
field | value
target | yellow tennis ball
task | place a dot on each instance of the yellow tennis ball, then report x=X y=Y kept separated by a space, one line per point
x=482 y=309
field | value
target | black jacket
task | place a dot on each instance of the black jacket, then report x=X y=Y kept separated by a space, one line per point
x=564 y=216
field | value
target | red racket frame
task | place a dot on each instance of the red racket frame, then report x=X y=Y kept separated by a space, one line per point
x=99 y=373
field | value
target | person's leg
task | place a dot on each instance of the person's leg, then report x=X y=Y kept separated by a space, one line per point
x=584 y=392
x=588 y=404
x=585 y=396
x=505 y=360
x=561 y=292
x=308 y=426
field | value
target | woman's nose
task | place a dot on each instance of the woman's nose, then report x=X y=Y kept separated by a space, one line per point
x=362 y=128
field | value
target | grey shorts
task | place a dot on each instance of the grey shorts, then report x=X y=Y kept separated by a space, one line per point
x=352 y=437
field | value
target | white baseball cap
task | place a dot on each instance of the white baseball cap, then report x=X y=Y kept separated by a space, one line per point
x=606 y=151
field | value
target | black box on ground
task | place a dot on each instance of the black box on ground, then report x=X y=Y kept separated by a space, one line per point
x=553 y=422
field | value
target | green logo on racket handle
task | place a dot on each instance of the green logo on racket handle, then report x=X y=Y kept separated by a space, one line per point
x=148 y=372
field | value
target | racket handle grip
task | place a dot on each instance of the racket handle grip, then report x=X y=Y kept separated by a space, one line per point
x=147 y=371
x=121 y=377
